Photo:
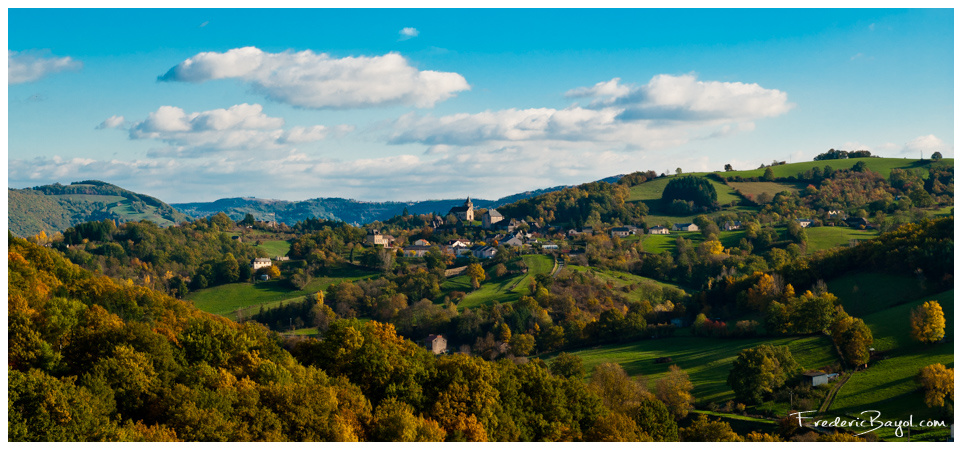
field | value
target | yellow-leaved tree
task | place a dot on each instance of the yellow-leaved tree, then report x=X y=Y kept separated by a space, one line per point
x=928 y=322
x=938 y=384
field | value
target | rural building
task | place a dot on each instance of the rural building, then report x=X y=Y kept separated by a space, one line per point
x=513 y=224
x=436 y=343
x=857 y=222
x=835 y=213
x=374 y=237
x=685 y=227
x=259 y=263
x=550 y=246
x=623 y=231
x=516 y=240
x=805 y=223
x=282 y=258
x=491 y=217
x=729 y=225
x=421 y=242
x=658 y=230
x=416 y=250
x=817 y=378
x=465 y=212
x=457 y=247
x=484 y=251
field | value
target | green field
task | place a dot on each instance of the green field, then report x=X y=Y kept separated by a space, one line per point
x=883 y=166
x=619 y=280
x=226 y=299
x=706 y=360
x=889 y=385
x=91 y=198
x=863 y=293
x=650 y=191
x=822 y=238
x=274 y=248
x=504 y=290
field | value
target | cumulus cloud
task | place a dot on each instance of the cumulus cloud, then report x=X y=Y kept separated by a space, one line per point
x=24 y=67
x=241 y=127
x=408 y=33
x=317 y=80
x=668 y=111
x=111 y=122
x=685 y=98
x=927 y=144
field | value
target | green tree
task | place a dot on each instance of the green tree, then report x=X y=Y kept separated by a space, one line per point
x=703 y=429
x=758 y=371
x=937 y=156
x=728 y=168
x=769 y=174
x=568 y=365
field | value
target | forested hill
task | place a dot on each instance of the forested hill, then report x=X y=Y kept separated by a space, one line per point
x=350 y=211
x=94 y=359
x=54 y=208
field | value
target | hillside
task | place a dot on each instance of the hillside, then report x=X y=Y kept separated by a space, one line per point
x=54 y=208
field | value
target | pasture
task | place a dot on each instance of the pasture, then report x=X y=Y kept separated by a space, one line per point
x=752 y=190
x=706 y=360
x=888 y=385
x=883 y=166
x=505 y=289
x=823 y=238
x=863 y=293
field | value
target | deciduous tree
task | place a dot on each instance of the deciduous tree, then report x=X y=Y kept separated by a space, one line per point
x=928 y=322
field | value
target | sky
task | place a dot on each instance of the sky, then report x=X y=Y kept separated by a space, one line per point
x=413 y=104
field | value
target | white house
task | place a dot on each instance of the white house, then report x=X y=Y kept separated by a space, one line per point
x=729 y=226
x=374 y=237
x=658 y=229
x=259 y=263
x=421 y=242
x=805 y=223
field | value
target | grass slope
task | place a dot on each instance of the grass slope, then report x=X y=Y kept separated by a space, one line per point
x=863 y=293
x=619 y=280
x=505 y=289
x=822 y=238
x=226 y=299
x=889 y=385
x=754 y=189
x=706 y=360
x=883 y=166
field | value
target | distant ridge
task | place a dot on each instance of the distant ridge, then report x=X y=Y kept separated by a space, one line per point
x=56 y=207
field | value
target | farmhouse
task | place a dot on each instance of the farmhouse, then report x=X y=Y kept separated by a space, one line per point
x=464 y=213
x=436 y=343
x=623 y=231
x=374 y=237
x=457 y=247
x=805 y=223
x=491 y=217
x=685 y=227
x=259 y=263
x=421 y=242
x=658 y=229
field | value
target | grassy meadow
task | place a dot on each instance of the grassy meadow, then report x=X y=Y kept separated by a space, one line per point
x=822 y=238
x=505 y=289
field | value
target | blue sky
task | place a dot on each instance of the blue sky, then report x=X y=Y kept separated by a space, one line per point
x=374 y=104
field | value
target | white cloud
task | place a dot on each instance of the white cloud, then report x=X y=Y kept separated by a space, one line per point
x=685 y=98
x=241 y=127
x=32 y=66
x=927 y=144
x=408 y=33
x=316 y=80
x=111 y=122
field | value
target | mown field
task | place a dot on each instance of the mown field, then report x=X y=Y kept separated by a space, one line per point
x=274 y=248
x=707 y=361
x=822 y=238
x=504 y=290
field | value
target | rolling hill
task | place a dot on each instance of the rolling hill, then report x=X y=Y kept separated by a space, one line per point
x=56 y=207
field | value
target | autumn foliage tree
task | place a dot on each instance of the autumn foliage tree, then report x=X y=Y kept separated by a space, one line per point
x=674 y=390
x=938 y=384
x=928 y=322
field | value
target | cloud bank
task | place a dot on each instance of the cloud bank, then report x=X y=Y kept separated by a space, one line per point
x=317 y=80
x=30 y=66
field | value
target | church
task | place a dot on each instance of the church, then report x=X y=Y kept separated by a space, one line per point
x=464 y=213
